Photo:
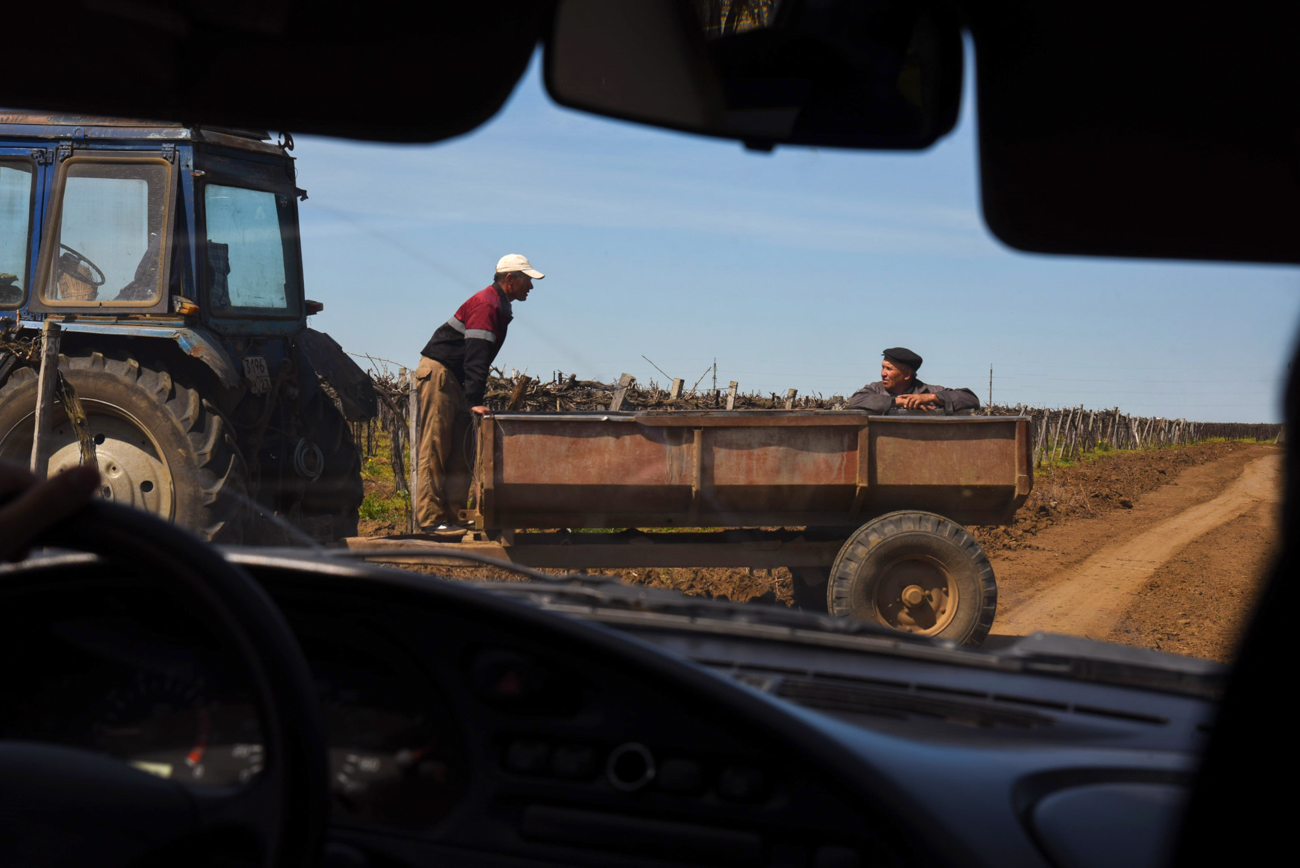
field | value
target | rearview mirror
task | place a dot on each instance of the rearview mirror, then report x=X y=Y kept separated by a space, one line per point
x=839 y=73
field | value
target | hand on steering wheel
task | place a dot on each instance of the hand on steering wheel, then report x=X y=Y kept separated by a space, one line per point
x=78 y=257
x=103 y=812
x=28 y=507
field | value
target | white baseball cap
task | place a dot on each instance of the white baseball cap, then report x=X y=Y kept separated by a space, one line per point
x=515 y=262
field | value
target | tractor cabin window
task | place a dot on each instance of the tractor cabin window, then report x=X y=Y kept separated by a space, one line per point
x=16 y=180
x=111 y=233
x=245 y=251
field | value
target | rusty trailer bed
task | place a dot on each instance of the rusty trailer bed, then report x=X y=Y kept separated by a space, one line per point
x=744 y=469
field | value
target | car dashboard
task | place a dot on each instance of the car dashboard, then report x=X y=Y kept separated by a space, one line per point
x=472 y=726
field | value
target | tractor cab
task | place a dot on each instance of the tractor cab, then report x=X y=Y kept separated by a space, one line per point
x=130 y=220
x=167 y=251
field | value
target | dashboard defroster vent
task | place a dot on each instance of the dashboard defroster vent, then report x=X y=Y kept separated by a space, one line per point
x=816 y=693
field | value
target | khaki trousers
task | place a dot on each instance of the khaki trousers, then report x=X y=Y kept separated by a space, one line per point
x=446 y=451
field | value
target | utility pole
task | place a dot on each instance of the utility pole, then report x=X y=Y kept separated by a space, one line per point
x=715 y=374
x=990 y=384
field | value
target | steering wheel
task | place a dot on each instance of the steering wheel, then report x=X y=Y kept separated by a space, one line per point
x=78 y=257
x=90 y=809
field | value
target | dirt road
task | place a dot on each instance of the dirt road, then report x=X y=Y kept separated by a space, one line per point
x=1179 y=570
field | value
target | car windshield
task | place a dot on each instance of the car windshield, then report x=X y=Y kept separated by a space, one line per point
x=684 y=275
x=807 y=379
x=699 y=432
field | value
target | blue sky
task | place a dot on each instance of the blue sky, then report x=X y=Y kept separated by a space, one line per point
x=794 y=269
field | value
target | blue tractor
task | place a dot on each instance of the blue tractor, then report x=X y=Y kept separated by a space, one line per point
x=169 y=255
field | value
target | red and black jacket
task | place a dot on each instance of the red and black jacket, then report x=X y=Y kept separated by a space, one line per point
x=469 y=341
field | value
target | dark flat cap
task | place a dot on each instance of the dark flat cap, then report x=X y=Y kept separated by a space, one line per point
x=904 y=356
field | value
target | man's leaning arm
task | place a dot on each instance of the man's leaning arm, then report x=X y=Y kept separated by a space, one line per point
x=957 y=399
x=872 y=397
x=478 y=359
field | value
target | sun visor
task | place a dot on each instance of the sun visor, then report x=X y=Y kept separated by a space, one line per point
x=1151 y=130
x=399 y=71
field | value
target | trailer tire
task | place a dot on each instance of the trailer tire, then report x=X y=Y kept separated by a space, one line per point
x=160 y=445
x=917 y=572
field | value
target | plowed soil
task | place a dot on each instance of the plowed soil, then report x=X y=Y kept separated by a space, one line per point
x=1193 y=598
x=1179 y=570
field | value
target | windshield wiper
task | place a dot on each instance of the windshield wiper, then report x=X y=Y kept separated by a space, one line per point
x=1110 y=663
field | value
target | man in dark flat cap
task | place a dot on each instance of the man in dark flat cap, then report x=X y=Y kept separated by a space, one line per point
x=899 y=387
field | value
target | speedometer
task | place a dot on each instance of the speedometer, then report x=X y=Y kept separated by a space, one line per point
x=170 y=725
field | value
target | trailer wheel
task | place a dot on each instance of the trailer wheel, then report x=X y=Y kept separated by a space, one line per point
x=917 y=572
x=160 y=445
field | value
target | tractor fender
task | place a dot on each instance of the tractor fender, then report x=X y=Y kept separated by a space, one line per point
x=195 y=341
x=351 y=385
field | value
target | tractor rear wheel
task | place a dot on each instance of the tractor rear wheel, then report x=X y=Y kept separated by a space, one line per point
x=331 y=501
x=917 y=572
x=159 y=444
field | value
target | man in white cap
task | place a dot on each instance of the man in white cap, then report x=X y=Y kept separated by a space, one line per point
x=452 y=379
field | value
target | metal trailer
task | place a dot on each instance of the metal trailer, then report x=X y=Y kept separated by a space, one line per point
x=866 y=511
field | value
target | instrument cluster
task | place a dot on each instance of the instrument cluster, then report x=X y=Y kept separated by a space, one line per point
x=155 y=695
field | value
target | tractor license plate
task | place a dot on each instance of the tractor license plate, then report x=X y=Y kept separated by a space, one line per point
x=259 y=378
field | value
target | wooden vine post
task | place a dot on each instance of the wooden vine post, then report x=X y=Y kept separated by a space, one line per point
x=521 y=388
x=413 y=421
x=620 y=392
x=51 y=336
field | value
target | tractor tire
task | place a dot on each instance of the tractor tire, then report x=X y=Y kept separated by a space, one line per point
x=917 y=572
x=159 y=444
x=331 y=502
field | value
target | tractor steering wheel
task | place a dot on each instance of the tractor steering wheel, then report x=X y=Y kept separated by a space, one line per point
x=77 y=258
x=101 y=811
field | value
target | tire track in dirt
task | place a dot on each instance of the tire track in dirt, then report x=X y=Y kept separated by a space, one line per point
x=1091 y=598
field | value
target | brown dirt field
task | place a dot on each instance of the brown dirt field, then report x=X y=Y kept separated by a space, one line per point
x=1046 y=538
x=1178 y=570
x=1196 y=602
x=1199 y=602
x=1096 y=487
x=741 y=585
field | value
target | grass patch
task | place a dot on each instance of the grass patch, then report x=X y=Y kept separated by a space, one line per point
x=1105 y=449
x=384 y=508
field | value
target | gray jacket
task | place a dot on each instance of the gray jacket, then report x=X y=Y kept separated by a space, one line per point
x=875 y=398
